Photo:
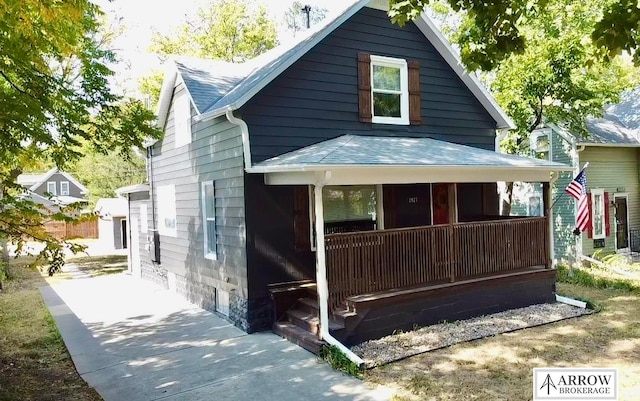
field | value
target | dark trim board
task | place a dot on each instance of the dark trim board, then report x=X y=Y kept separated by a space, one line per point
x=451 y=303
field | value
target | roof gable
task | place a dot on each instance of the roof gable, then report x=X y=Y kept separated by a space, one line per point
x=42 y=178
x=225 y=91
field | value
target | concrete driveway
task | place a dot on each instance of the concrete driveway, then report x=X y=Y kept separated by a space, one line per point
x=131 y=340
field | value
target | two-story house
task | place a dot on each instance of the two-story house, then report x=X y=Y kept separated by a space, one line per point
x=59 y=186
x=339 y=187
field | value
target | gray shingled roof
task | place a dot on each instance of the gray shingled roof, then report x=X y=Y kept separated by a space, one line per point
x=355 y=150
x=216 y=87
x=620 y=124
x=208 y=81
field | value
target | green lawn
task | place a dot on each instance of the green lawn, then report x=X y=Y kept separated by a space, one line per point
x=34 y=363
x=500 y=368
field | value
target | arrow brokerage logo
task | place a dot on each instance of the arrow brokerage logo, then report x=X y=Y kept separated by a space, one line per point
x=575 y=384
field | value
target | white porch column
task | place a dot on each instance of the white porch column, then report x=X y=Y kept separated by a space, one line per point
x=321 y=275
x=321 y=266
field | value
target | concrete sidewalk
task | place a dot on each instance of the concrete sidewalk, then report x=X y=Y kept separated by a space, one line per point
x=131 y=340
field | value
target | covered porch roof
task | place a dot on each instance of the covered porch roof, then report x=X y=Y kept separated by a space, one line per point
x=354 y=159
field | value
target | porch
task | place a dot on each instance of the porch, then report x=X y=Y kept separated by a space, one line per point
x=406 y=232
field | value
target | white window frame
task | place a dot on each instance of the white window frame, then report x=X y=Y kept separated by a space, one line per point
x=49 y=184
x=213 y=255
x=166 y=200
x=182 y=119
x=144 y=219
x=404 y=90
x=62 y=191
x=533 y=141
x=530 y=204
x=594 y=234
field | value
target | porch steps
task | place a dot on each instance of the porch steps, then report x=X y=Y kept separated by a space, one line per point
x=298 y=336
x=301 y=324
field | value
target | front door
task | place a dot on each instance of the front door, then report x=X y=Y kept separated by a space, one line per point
x=622 y=227
x=407 y=205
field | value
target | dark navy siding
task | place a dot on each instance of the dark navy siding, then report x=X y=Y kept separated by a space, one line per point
x=317 y=97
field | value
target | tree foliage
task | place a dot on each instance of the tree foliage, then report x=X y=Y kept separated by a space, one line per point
x=55 y=94
x=103 y=173
x=495 y=28
x=229 y=30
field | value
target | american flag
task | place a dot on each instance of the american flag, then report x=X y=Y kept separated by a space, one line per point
x=578 y=190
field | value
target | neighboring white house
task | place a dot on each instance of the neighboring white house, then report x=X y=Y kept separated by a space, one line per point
x=112 y=222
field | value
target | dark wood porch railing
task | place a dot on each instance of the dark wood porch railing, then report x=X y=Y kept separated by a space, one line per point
x=365 y=262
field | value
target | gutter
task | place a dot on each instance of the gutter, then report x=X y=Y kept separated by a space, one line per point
x=321 y=275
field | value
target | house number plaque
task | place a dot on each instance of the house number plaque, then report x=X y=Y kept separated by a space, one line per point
x=413 y=199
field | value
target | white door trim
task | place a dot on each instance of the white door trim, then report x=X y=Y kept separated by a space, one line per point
x=615 y=236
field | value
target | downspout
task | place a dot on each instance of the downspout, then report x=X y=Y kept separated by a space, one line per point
x=151 y=191
x=246 y=149
x=321 y=274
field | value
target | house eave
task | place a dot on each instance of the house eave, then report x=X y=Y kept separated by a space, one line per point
x=402 y=174
x=132 y=189
x=609 y=145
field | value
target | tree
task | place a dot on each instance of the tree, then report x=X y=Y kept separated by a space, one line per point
x=560 y=77
x=54 y=94
x=103 y=173
x=299 y=14
x=229 y=30
x=495 y=28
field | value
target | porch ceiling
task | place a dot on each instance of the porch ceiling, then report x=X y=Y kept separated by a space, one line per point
x=354 y=159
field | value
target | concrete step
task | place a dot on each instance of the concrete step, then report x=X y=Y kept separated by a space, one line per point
x=298 y=336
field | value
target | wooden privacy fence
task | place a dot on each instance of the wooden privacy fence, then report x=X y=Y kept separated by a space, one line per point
x=63 y=230
x=372 y=261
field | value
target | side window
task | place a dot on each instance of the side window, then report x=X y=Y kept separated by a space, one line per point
x=64 y=187
x=209 y=219
x=598 y=213
x=182 y=119
x=51 y=188
x=166 y=196
x=535 y=206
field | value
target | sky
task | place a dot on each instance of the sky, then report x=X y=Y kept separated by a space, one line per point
x=138 y=19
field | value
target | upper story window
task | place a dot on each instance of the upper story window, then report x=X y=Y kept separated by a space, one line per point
x=182 y=119
x=51 y=188
x=64 y=187
x=389 y=90
x=541 y=143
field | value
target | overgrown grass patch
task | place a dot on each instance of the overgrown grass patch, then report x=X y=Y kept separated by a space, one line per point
x=339 y=361
x=594 y=278
x=34 y=362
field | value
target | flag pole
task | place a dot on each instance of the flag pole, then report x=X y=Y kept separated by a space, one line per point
x=578 y=244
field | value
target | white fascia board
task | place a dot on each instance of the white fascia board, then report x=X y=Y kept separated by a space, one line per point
x=408 y=175
x=442 y=45
x=132 y=189
x=610 y=145
x=43 y=179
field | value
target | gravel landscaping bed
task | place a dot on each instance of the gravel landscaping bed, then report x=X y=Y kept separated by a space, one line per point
x=401 y=345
